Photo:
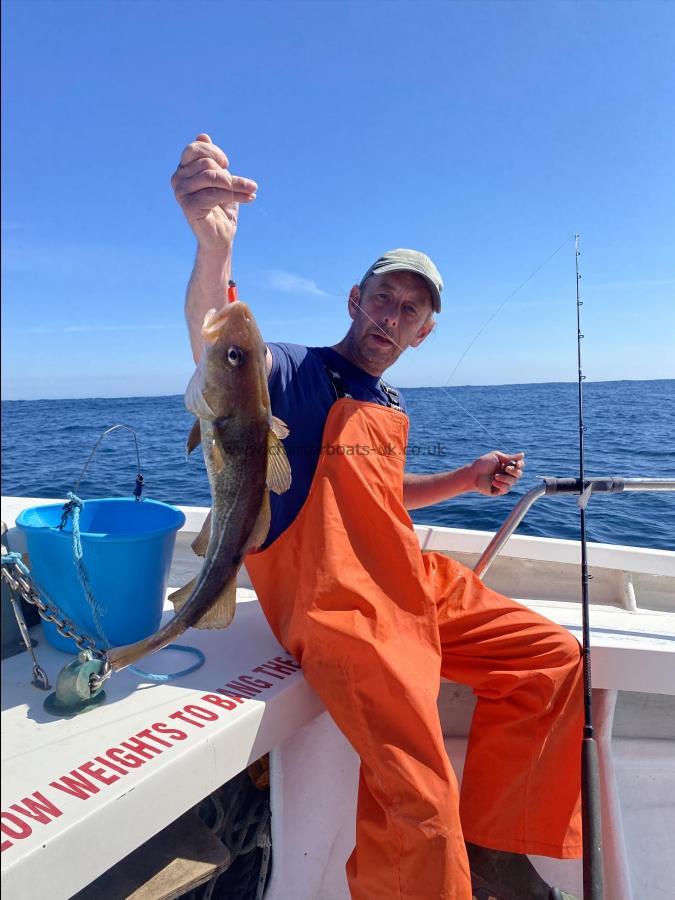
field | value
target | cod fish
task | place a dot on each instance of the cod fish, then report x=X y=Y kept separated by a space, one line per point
x=245 y=459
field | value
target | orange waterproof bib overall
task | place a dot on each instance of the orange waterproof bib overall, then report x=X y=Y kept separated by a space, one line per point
x=375 y=623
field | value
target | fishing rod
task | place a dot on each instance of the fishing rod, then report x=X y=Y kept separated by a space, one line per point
x=590 y=772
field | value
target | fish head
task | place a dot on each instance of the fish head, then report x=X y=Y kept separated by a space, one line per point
x=231 y=378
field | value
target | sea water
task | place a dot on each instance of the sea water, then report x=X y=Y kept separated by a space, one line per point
x=630 y=433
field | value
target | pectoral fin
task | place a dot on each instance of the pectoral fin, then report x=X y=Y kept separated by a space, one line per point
x=220 y=613
x=201 y=542
x=278 y=467
x=280 y=428
x=180 y=596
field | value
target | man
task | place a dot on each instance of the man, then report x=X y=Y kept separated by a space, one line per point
x=375 y=622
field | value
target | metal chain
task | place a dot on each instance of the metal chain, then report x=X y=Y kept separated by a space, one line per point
x=19 y=582
x=96 y=682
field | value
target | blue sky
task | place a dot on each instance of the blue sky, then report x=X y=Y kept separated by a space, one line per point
x=483 y=133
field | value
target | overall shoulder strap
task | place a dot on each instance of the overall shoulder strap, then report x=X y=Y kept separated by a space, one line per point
x=393 y=396
x=338 y=384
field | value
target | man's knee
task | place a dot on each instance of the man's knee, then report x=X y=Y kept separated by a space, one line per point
x=567 y=649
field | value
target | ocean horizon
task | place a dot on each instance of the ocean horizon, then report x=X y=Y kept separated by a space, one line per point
x=400 y=387
x=630 y=433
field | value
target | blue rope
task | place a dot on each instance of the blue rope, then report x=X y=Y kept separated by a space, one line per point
x=151 y=676
x=74 y=506
x=14 y=559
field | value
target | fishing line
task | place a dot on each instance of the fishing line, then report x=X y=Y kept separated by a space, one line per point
x=482 y=329
x=503 y=304
x=473 y=340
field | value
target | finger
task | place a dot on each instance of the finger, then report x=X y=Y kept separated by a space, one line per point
x=203 y=203
x=498 y=487
x=207 y=174
x=513 y=464
x=206 y=200
x=203 y=136
x=207 y=178
x=502 y=479
x=215 y=178
x=510 y=457
x=244 y=185
x=513 y=456
x=198 y=149
x=195 y=167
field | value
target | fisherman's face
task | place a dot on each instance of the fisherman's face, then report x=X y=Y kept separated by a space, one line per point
x=391 y=313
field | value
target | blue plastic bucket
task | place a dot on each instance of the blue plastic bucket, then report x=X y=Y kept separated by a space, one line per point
x=126 y=548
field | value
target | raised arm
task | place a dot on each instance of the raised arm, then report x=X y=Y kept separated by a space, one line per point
x=209 y=196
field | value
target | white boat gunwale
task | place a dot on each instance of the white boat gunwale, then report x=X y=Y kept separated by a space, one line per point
x=278 y=717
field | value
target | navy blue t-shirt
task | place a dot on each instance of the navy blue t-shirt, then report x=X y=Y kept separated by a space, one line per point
x=301 y=394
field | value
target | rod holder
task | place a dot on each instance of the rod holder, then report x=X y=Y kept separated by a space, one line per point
x=552 y=486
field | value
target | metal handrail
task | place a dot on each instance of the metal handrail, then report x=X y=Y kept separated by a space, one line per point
x=551 y=486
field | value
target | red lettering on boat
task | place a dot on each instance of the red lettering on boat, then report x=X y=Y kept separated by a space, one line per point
x=37 y=807
x=90 y=768
x=77 y=785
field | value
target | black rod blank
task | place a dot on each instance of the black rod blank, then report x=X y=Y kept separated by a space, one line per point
x=590 y=779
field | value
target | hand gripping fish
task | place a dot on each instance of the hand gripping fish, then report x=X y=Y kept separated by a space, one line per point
x=245 y=459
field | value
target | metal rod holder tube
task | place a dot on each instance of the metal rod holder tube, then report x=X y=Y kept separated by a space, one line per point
x=514 y=519
x=649 y=484
x=553 y=486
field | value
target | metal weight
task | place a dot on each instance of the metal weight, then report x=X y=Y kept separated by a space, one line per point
x=78 y=687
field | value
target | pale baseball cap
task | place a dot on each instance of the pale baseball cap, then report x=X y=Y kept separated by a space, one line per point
x=403 y=260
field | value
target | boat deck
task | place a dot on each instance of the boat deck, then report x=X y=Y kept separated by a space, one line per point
x=80 y=794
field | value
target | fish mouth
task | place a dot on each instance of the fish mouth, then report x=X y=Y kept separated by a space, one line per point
x=216 y=320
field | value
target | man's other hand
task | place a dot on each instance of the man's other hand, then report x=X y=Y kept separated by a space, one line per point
x=495 y=473
x=209 y=194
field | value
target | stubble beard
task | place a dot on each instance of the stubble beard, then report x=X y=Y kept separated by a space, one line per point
x=366 y=356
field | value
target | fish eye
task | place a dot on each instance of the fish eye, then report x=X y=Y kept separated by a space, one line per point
x=235 y=356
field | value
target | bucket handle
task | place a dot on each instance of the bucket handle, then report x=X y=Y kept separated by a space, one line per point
x=138 y=487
